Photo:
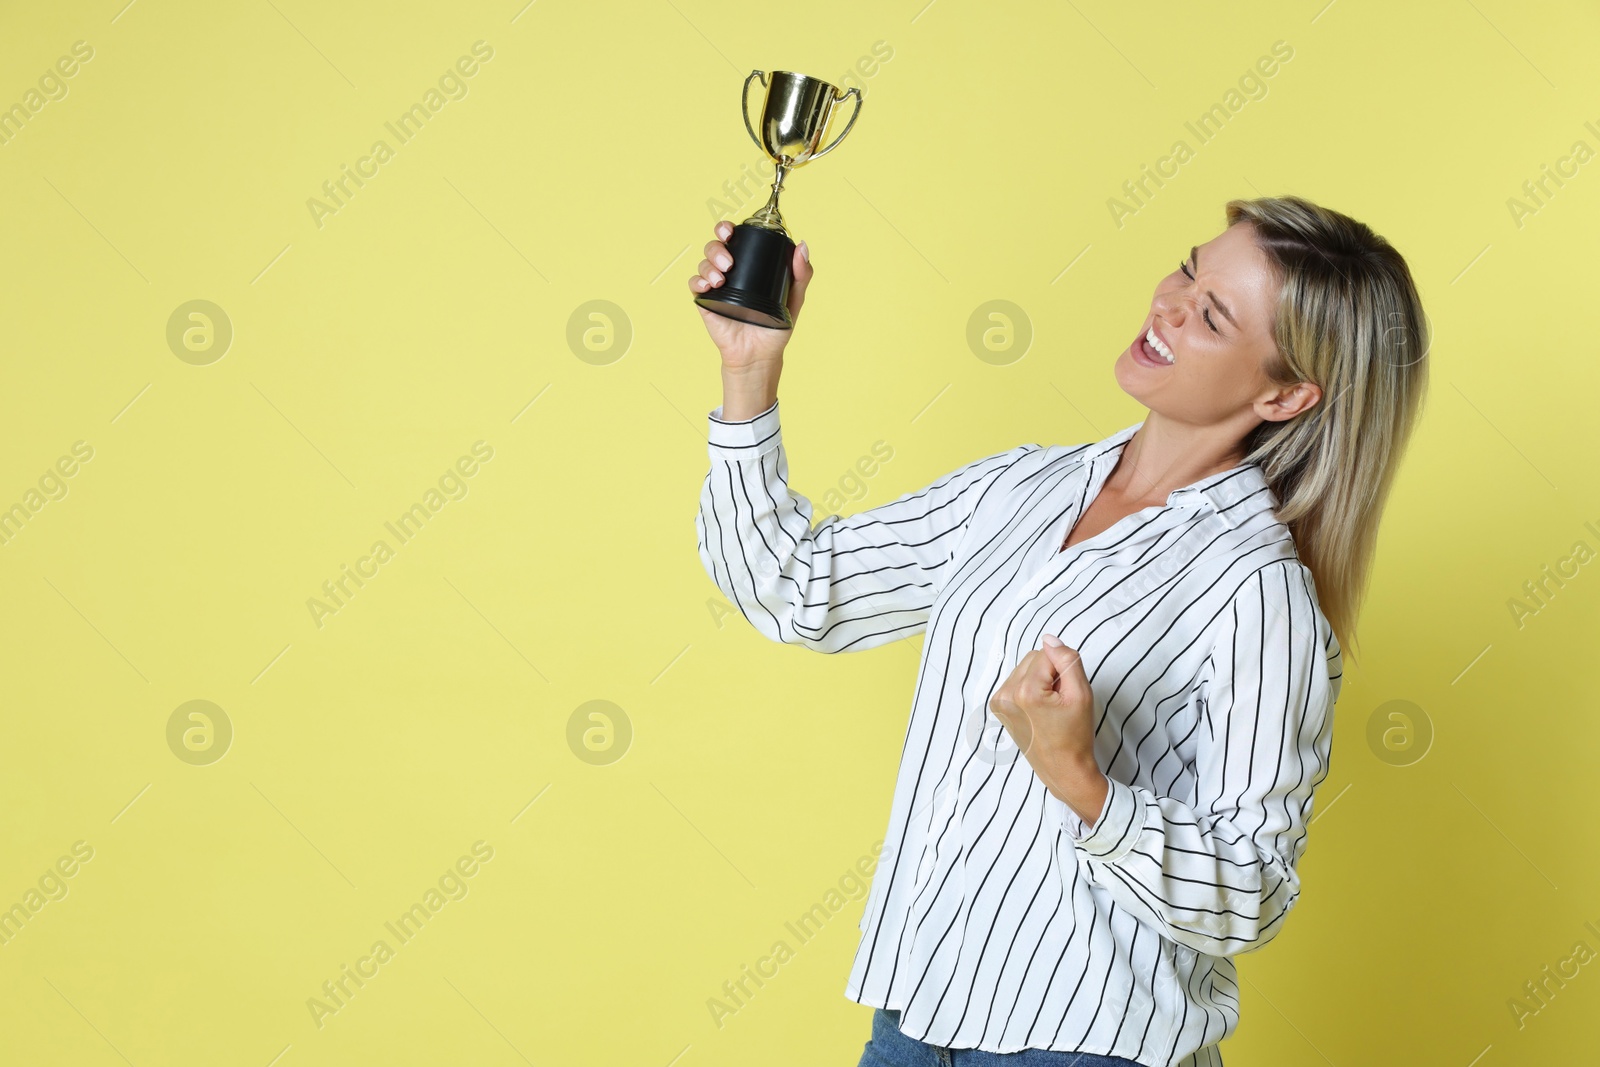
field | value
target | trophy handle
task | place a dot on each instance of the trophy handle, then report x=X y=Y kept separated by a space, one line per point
x=845 y=132
x=744 y=104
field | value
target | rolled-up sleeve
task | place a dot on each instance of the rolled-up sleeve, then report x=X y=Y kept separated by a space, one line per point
x=1219 y=876
x=846 y=583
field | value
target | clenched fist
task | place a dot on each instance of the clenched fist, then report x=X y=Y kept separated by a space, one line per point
x=744 y=344
x=1048 y=708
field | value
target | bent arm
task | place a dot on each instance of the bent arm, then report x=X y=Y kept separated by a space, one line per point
x=843 y=584
x=1219 y=876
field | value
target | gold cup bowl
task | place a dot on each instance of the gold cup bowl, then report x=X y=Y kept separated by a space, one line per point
x=794 y=119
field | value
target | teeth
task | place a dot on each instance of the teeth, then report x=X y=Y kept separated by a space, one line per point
x=1155 y=342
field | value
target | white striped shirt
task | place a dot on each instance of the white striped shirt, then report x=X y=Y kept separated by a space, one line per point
x=997 y=920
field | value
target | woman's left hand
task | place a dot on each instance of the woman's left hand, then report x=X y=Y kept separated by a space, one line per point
x=1047 y=706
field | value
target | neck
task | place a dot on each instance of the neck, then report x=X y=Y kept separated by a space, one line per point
x=1164 y=455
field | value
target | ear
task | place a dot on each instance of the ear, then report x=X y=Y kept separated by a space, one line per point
x=1289 y=401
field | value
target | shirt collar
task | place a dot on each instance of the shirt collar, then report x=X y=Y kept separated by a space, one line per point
x=1234 y=494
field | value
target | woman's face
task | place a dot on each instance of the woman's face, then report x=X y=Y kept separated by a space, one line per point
x=1215 y=314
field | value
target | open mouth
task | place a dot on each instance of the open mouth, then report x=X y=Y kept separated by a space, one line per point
x=1147 y=353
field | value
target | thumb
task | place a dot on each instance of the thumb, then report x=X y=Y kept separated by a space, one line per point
x=1065 y=660
x=802 y=278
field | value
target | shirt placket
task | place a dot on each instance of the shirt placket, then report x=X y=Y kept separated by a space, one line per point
x=1041 y=573
x=1054 y=566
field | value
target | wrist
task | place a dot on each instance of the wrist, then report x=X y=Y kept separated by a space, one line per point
x=1082 y=786
x=748 y=391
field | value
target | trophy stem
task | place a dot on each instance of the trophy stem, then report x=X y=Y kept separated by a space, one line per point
x=768 y=218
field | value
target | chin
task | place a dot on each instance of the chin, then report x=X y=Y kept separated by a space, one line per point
x=1127 y=373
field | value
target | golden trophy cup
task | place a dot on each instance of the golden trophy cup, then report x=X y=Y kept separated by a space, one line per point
x=794 y=119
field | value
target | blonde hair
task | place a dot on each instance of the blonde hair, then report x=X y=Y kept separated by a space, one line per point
x=1349 y=320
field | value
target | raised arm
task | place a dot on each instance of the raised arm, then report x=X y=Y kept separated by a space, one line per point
x=1219 y=877
x=845 y=584
x=841 y=585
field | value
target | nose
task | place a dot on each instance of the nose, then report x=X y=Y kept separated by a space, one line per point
x=1169 y=309
x=1175 y=305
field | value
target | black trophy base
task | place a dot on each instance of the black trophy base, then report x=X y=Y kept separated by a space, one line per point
x=756 y=288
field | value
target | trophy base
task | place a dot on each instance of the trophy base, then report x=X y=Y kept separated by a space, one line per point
x=756 y=288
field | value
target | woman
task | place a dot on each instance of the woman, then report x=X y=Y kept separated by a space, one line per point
x=1154 y=623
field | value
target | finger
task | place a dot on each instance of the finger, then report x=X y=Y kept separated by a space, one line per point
x=723 y=230
x=1040 y=683
x=1036 y=668
x=711 y=274
x=1065 y=658
x=1069 y=683
x=698 y=284
x=1008 y=714
x=802 y=270
x=718 y=254
x=1019 y=727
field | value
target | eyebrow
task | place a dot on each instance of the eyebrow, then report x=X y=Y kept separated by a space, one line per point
x=1194 y=253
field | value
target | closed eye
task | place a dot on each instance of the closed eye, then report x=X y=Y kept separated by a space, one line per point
x=1184 y=266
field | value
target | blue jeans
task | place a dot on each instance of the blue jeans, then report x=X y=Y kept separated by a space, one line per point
x=888 y=1047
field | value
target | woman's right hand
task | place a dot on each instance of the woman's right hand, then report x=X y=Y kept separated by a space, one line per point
x=744 y=344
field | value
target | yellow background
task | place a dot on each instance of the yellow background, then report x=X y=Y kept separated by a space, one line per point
x=431 y=312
